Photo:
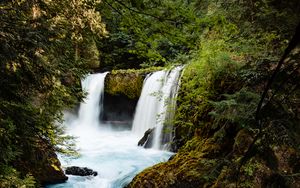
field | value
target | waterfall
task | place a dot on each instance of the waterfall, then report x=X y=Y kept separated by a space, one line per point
x=110 y=151
x=88 y=120
x=146 y=110
x=91 y=108
x=156 y=104
x=166 y=104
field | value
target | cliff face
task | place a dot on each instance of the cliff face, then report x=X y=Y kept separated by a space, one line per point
x=122 y=91
x=127 y=84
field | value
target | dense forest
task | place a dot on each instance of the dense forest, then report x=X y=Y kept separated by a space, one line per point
x=238 y=107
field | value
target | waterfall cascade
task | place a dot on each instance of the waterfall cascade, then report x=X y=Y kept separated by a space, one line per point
x=87 y=122
x=156 y=104
x=146 y=110
x=110 y=151
x=167 y=104
x=91 y=108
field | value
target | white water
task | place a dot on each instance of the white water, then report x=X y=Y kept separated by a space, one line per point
x=168 y=90
x=157 y=97
x=90 y=109
x=111 y=151
x=146 y=110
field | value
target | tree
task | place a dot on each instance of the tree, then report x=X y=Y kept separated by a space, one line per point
x=148 y=33
x=42 y=61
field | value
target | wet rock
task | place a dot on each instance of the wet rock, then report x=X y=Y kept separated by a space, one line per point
x=147 y=139
x=80 y=171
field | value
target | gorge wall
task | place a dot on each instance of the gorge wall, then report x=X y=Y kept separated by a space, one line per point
x=122 y=91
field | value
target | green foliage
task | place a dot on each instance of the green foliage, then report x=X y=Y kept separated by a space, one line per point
x=42 y=60
x=151 y=33
x=233 y=43
x=11 y=178
x=238 y=108
x=148 y=36
x=211 y=70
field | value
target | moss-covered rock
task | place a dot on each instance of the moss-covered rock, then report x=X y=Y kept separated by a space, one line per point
x=218 y=140
x=122 y=91
x=41 y=162
x=210 y=162
x=197 y=164
x=127 y=82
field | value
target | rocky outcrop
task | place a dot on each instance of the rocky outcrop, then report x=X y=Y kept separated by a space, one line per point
x=118 y=83
x=42 y=162
x=80 y=171
x=122 y=91
x=147 y=139
x=213 y=161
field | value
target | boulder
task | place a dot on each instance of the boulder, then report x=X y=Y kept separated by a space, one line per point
x=41 y=161
x=80 y=171
x=147 y=139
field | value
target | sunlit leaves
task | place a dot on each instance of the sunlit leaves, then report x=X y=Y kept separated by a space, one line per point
x=40 y=73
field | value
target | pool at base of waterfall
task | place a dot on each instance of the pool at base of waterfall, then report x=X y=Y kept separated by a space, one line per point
x=113 y=153
x=112 y=150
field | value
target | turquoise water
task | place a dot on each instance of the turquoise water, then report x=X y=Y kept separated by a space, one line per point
x=114 y=155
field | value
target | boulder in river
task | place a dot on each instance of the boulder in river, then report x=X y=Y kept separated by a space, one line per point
x=80 y=171
x=147 y=139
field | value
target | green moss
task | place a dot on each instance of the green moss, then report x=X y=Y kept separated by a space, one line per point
x=191 y=167
x=127 y=82
x=137 y=71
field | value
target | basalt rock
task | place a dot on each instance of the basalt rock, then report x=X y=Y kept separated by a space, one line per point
x=147 y=140
x=128 y=84
x=80 y=171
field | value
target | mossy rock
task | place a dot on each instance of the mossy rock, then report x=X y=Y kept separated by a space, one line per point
x=41 y=161
x=185 y=170
x=126 y=82
x=191 y=167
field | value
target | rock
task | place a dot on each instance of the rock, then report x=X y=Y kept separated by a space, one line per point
x=118 y=108
x=146 y=140
x=80 y=171
x=242 y=142
x=127 y=84
x=42 y=162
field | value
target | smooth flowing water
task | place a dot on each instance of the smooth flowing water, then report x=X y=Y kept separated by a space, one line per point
x=156 y=104
x=146 y=111
x=109 y=150
x=166 y=104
